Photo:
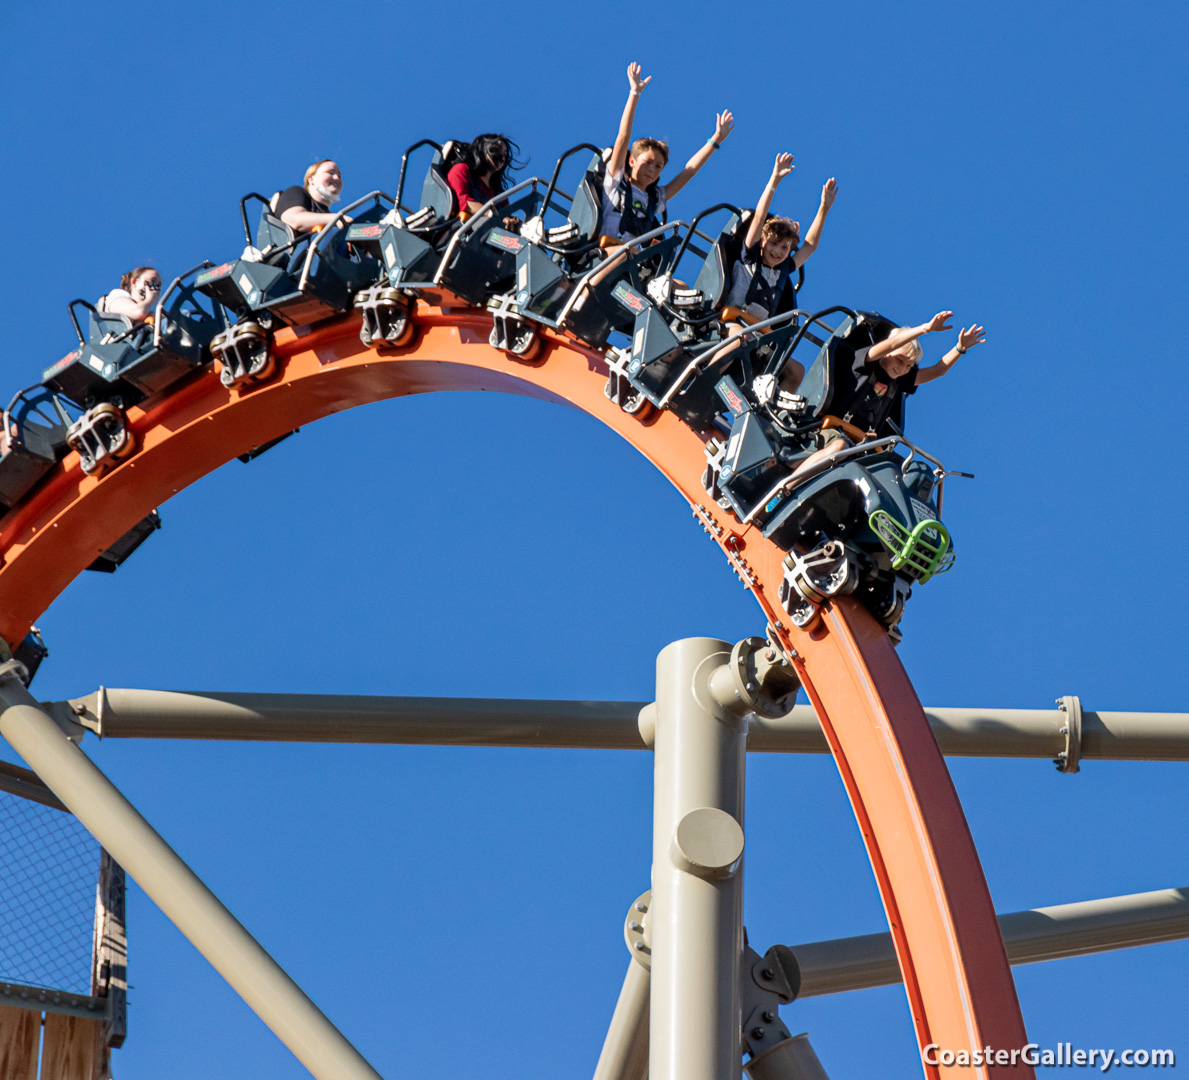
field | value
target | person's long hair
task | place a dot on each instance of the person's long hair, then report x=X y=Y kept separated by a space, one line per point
x=483 y=146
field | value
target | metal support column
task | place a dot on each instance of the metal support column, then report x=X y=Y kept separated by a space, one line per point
x=697 y=870
x=174 y=887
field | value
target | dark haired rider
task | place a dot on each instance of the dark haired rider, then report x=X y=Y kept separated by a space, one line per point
x=482 y=174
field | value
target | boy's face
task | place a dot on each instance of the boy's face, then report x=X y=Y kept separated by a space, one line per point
x=897 y=363
x=645 y=170
x=774 y=251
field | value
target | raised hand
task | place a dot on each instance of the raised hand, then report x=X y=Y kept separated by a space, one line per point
x=829 y=192
x=968 y=339
x=634 y=80
x=940 y=321
x=724 y=124
x=783 y=166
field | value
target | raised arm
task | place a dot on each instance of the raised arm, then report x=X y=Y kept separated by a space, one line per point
x=724 y=123
x=902 y=335
x=814 y=236
x=784 y=165
x=967 y=339
x=623 y=140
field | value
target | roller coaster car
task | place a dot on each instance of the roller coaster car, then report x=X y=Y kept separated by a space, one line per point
x=119 y=359
x=40 y=427
x=292 y=278
x=545 y=270
x=687 y=336
x=556 y=268
x=33 y=441
x=89 y=372
x=409 y=243
x=480 y=260
x=440 y=254
x=865 y=519
x=672 y=335
x=685 y=380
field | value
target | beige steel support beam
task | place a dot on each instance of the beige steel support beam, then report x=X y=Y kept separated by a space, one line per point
x=1048 y=933
x=335 y=718
x=608 y=725
x=625 y=1050
x=696 y=915
x=50 y=748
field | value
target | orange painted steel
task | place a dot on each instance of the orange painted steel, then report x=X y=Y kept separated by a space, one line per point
x=956 y=974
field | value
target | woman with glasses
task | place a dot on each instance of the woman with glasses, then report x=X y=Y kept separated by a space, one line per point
x=482 y=173
x=137 y=296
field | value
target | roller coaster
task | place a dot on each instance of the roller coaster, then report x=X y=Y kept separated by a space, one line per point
x=396 y=299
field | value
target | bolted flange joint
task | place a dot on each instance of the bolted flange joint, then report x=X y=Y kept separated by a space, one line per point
x=636 y=930
x=758 y=678
x=1068 y=761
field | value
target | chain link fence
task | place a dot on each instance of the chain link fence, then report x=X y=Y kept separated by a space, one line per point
x=49 y=866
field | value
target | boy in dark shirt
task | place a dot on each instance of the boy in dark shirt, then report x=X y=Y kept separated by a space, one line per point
x=884 y=372
x=772 y=250
x=772 y=253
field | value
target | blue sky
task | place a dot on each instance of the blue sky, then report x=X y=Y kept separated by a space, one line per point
x=459 y=912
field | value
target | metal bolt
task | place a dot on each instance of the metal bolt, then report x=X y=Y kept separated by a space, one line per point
x=638 y=946
x=768 y=1016
x=641 y=906
x=635 y=927
x=767 y=974
x=79 y=710
x=757 y=1032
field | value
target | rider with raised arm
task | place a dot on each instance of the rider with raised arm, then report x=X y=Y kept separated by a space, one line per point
x=137 y=296
x=770 y=256
x=307 y=208
x=770 y=248
x=886 y=370
x=634 y=199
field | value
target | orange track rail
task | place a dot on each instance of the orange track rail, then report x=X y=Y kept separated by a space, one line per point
x=956 y=974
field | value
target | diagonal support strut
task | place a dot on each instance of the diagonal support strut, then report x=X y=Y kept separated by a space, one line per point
x=263 y=984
